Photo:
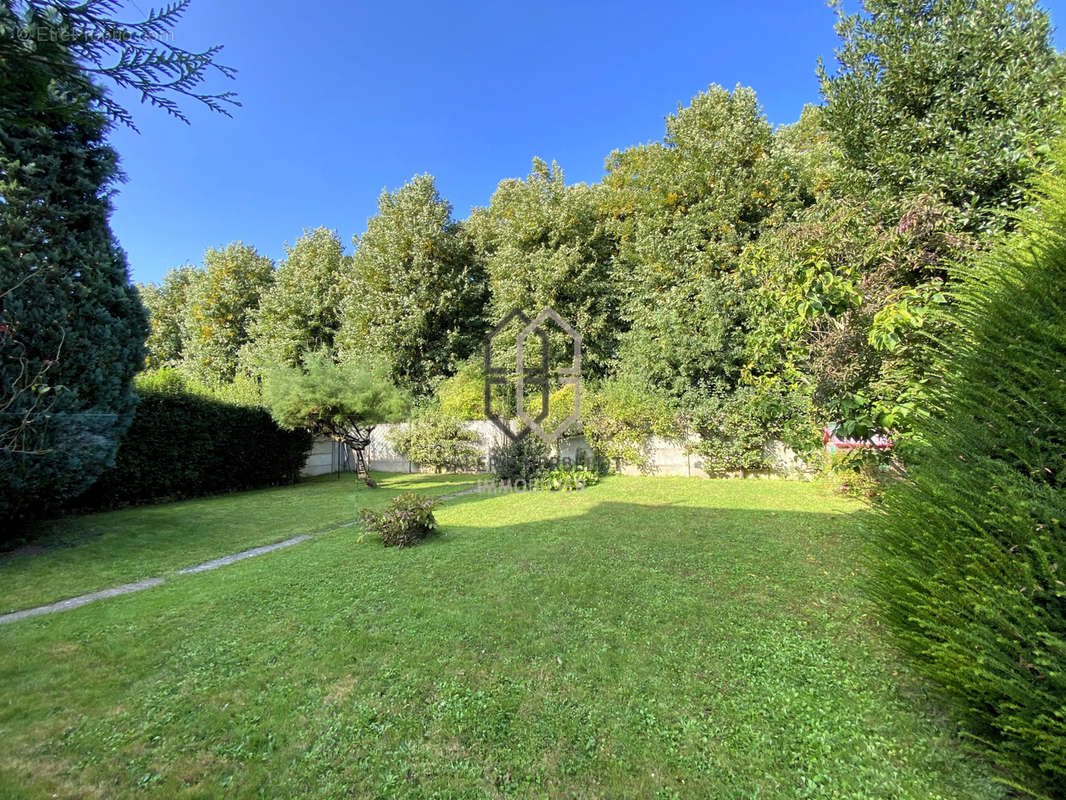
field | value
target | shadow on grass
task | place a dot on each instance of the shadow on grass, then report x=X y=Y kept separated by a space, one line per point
x=74 y=529
x=80 y=554
x=560 y=645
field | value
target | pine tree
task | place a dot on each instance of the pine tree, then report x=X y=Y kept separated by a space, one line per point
x=71 y=326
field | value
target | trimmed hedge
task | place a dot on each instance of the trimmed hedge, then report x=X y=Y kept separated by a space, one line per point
x=184 y=445
x=969 y=564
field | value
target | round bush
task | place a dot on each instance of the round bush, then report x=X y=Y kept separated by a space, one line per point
x=407 y=520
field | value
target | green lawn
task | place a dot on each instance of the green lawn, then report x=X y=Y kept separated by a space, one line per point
x=94 y=551
x=646 y=637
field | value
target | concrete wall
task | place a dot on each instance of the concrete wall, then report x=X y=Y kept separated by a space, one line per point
x=319 y=460
x=383 y=457
x=667 y=457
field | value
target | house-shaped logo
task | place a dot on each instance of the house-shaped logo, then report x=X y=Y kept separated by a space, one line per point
x=537 y=375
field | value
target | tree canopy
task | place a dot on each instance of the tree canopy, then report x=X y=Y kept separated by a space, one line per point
x=416 y=296
x=221 y=303
x=341 y=401
x=300 y=311
x=955 y=99
x=165 y=305
x=544 y=243
x=766 y=283
x=332 y=399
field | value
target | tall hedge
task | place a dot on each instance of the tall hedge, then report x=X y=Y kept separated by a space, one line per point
x=970 y=548
x=184 y=445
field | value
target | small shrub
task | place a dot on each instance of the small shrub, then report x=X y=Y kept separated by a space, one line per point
x=437 y=440
x=406 y=521
x=524 y=460
x=568 y=479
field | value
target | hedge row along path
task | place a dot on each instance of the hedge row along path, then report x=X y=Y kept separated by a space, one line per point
x=206 y=566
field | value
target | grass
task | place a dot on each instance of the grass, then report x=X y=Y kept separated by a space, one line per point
x=646 y=637
x=94 y=551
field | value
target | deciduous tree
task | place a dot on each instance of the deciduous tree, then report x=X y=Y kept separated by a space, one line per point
x=165 y=304
x=547 y=244
x=683 y=211
x=300 y=311
x=416 y=298
x=955 y=99
x=220 y=304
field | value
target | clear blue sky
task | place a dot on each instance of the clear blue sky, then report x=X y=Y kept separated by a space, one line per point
x=342 y=99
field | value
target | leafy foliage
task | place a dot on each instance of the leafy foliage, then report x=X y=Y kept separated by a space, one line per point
x=547 y=244
x=165 y=304
x=434 y=439
x=969 y=547
x=462 y=395
x=766 y=283
x=220 y=304
x=243 y=390
x=810 y=156
x=621 y=417
x=406 y=521
x=300 y=311
x=184 y=445
x=523 y=460
x=733 y=431
x=683 y=210
x=568 y=479
x=951 y=98
x=560 y=406
x=838 y=309
x=416 y=295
